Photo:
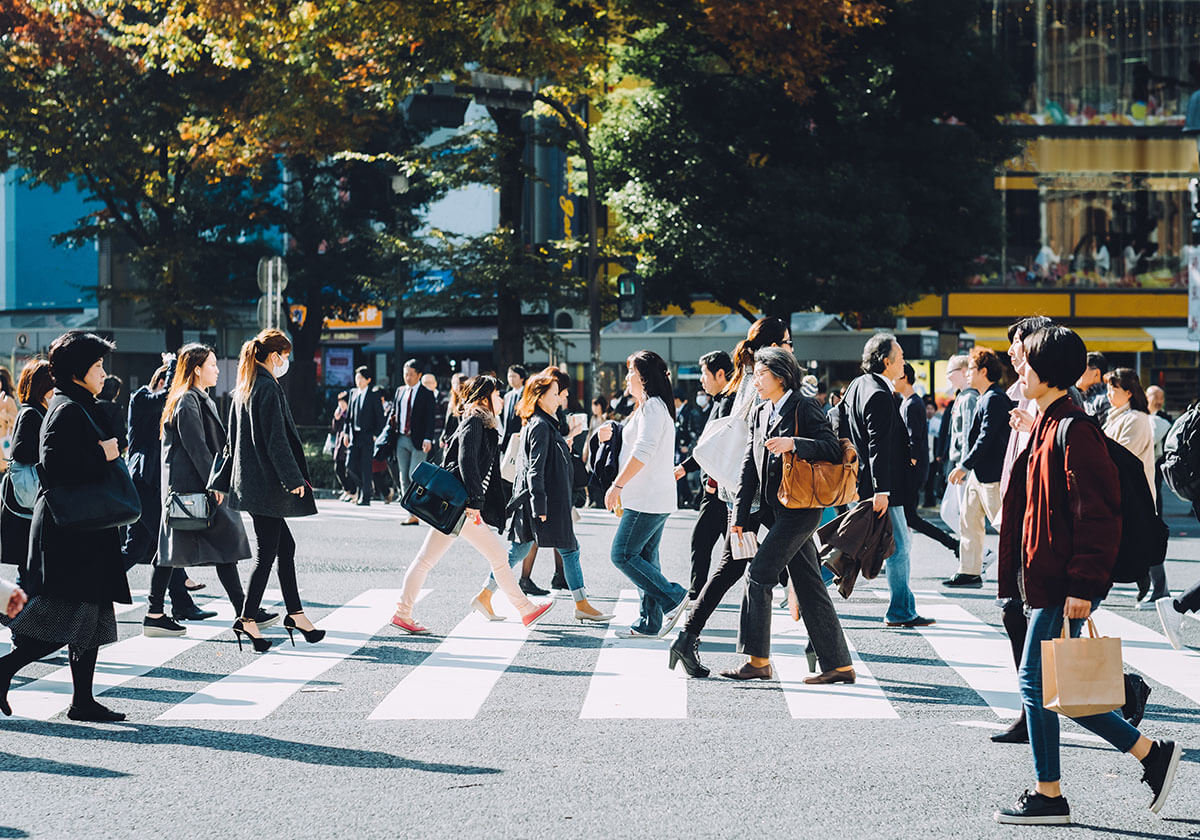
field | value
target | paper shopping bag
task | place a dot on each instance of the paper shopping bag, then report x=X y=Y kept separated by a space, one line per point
x=1082 y=677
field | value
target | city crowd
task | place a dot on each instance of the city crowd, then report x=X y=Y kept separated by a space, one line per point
x=1041 y=461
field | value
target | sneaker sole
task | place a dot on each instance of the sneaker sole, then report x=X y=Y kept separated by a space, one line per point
x=1168 y=780
x=672 y=620
x=1053 y=819
x=1169 y=630
x=156 y=633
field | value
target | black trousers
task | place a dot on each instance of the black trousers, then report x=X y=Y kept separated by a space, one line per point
x=923 y=526
x=358 y=463
x=710 y=527
x=140 y=546
x=274 y=542
x=787 y=545
x=340 y=456
x=729 y=572
x=1191 y=599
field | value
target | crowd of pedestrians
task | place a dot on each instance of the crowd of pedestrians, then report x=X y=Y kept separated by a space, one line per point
x=1033 y=461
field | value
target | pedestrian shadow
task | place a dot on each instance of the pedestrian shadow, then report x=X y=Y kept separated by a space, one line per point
x=248 y=743
x=1124 y=832
x=13 y=763
x=7 y=831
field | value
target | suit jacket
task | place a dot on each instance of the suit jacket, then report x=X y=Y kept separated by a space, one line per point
x=366 y=414
x=987 y=441
x=145 y=417
x=916 y=428
x=510 y=423
x=800 y=418
x=423 y=418
x=869 y=418
x=855 y=543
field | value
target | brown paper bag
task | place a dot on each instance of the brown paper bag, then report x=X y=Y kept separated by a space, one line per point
x=1082 y=677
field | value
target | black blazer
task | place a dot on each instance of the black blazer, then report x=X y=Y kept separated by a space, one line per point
x=145 y=417
x=474 y=453
x=800 y=418
x=916 y=427
x=869 y=418
x=510 y=422
x=75 y=566
x=987 y=440
x=366 y=413
x=423 y=414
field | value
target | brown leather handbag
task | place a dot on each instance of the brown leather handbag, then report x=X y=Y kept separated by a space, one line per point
x=819 y=484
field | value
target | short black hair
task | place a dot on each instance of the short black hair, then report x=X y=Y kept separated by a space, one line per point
x=412 y=363
x=910 y=375
x=73 y=353
x=111 y=388
x=717 y=361
x=822 y=388
x=364 y=372
x=1057 y=355
x=1097 y=361
x=519 y=370
x=1026 y=327
x=877 y=351
x=986 y=360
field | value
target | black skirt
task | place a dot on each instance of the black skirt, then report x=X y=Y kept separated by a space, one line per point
x=74 y=623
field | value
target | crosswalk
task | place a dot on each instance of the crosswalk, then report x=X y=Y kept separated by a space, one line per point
x=628 y=679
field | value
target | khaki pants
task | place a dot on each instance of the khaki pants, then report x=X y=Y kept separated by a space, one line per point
x=979 y=501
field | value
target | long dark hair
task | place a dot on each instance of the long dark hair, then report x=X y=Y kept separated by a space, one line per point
x=255 y=352
x=1127 y=380
x=478 y=390
x=192 y=357
x=655 y=377
x=764 y=332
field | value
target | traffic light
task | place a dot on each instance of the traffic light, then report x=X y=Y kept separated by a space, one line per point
x=630 y=301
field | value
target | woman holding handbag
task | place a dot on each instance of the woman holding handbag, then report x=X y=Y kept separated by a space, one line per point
x=78 y=573
x=787 y=421
x=542 y=494
x=192 y=435
x=264 y=473
x=34 y=389
x=474 y=457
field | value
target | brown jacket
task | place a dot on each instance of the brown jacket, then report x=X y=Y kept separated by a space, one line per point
x=857 y=542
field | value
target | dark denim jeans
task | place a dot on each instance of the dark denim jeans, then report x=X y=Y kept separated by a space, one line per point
x=635 y=554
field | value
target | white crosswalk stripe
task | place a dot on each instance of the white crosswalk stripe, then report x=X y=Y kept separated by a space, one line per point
x=261 y=687
x=1151 y=654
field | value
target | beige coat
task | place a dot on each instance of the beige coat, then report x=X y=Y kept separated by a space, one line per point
x=1135 y=431
x=8 y=424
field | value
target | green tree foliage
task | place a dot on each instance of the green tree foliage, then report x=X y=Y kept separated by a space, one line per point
x=875 y=189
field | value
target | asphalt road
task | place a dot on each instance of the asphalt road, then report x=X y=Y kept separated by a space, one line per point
x=554 y=733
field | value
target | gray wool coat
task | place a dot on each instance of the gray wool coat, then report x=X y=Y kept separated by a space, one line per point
x=265 y=459
x=191 y=439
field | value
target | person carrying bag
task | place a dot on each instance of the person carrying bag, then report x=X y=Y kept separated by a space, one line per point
x=1083 y=676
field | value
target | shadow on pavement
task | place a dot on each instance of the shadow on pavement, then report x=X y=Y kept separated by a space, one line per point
x=13 y=763
x=6 y=831
x=261 y=745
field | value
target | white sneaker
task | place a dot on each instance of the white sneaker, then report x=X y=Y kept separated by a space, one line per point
x=1146 y=603
x=1172 y=621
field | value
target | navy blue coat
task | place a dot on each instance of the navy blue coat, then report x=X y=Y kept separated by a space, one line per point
x=987 y=440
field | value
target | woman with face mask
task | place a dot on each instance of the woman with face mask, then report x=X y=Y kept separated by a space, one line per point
x=265 y=474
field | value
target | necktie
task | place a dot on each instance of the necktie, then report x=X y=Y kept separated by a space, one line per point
x=412 y=396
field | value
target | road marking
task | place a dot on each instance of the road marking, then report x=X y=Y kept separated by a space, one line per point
x=631 y=679
x=256 y=690
x=864 y=699
x=1152 y=654
x=980 y=653
x=454 y=681
x=119 y=663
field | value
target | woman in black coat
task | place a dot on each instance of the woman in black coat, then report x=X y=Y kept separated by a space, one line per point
x=264 y=473
x=474 y=457
x=786 y=422
x=192 y=435
x=79 y=573
x=543 y=489
x=34 y=389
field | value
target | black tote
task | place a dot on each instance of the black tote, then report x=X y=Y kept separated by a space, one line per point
x=111 y=503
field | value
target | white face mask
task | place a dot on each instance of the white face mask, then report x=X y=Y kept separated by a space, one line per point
x=280 y=370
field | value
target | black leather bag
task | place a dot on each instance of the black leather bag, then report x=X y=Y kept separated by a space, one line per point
x=111 y=503
x=189 y=511
x=436 y=496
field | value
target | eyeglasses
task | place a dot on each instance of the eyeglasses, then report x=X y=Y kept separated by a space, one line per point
x=788 y=342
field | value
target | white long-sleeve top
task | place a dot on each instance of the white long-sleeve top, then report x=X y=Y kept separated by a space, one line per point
x=1133 y=430
x=649 y=436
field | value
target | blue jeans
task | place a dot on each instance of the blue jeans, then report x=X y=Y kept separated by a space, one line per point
x=571 y=569
x=635 y=554
x=1046 y=623
x=903 y=606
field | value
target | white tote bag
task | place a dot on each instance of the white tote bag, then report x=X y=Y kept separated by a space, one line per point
x=722 y=448
x=508 y=463
x=951 y=503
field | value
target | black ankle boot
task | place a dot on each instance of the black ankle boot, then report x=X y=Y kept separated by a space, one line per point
x=1018 y=733
x=686 y=649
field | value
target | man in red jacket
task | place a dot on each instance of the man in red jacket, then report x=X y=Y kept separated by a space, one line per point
x=1059 y=535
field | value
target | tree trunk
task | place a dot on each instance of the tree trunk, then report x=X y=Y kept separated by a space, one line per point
x=304 y=391
x=510 y=346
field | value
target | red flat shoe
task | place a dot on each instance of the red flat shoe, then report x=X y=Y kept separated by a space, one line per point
x=409 y=625
x=533 y=617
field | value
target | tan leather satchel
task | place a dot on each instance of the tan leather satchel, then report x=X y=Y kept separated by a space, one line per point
x=819 y=484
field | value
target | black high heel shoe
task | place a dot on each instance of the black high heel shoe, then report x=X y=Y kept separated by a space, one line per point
x=261 y=643
x=311 y=636
x=686 y=649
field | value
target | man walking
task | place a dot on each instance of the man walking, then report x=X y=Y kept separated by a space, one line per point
x=869 y=418
x=510 y=423
x=365 y=424
x=1091 y=385
x=981 y=467
x=916 y=427
x=414 y=416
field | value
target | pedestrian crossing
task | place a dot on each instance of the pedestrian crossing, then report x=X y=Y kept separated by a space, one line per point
x=627 y=678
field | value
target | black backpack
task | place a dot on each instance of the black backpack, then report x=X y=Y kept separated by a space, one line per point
x=1143 y=532
x=604 y=462
x=1181 y=455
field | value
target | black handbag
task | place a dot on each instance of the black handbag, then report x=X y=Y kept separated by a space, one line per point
x=111 y=503
x=580 y=477
x=436 y=496
x=189 y=511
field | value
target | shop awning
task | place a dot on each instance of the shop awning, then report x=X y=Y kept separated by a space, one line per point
x=1172 y=338
x=1102 y=339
